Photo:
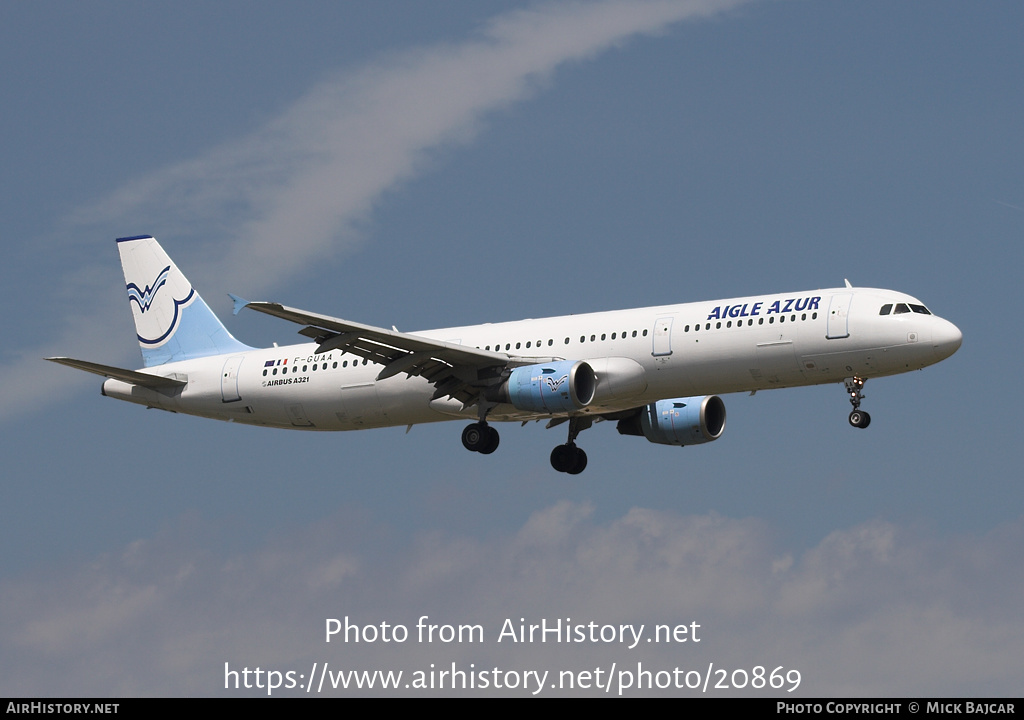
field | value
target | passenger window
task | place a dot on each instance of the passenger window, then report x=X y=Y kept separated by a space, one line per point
x=886 y=309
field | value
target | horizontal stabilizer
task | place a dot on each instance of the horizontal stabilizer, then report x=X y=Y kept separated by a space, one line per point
x=129 y=376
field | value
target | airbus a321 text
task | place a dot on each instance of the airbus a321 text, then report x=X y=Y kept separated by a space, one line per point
x=656 y=371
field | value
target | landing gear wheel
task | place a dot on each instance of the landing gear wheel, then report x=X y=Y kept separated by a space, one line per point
x=568 y=459
x=492 y=442
x=562 y=457
x=860 y=419
x=480 y=437
x=474 y=436
x=579 y=463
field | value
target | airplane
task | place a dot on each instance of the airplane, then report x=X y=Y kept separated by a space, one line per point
x=657 y=372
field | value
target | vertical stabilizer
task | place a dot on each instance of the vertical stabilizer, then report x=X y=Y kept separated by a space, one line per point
x=171 y=320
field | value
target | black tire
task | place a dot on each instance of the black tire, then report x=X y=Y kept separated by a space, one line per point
x=492 y=441
x=562 y=457
x=475 y=436
x=579 y=462
x=860 y=419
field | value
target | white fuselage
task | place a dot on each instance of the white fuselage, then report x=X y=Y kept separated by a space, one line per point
x=639 y=356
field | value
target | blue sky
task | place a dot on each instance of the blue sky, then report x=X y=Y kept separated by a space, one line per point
x=449 y=163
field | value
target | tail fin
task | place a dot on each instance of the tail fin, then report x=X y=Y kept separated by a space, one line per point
x=172 y=321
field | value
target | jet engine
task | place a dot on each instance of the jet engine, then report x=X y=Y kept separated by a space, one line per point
x=679 y=421
x=555 y=387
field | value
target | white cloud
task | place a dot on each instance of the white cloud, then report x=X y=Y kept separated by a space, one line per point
x=872 y=610
x=308 y=176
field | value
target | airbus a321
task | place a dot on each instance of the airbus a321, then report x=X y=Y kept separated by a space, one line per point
x=657 y=372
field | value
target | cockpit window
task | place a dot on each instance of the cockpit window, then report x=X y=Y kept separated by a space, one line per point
x=886 y=309
x=920 y=309
x=901 y=308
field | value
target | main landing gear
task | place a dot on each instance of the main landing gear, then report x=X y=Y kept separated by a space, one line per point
x=568 y=458
x=480 y=437
x=858 y=418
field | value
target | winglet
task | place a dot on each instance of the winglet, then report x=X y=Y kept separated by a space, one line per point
x=239 y=303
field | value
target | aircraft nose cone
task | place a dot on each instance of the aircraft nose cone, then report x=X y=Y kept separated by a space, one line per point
x=946 y=339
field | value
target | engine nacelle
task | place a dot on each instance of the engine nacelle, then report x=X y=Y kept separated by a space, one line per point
x=555 y=387
x=618 y=379
x=679 y=421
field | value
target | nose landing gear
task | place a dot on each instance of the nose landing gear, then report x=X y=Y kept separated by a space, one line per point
x=854 y=386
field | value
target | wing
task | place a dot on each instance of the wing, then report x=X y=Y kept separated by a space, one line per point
x=455 y=370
